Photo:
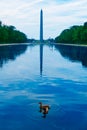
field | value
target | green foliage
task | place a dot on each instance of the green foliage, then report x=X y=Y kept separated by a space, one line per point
x=9 y=34
x=76 y=34
x=85 y=24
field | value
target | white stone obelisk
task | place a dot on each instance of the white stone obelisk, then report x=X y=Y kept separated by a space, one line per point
x=41 y=25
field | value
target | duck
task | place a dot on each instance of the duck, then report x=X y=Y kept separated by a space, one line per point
x=44 y=107
x=45 y=110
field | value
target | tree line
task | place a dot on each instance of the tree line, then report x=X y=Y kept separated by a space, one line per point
x=9 y=34
x=76 y=34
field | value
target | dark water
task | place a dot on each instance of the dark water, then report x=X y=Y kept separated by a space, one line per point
x=55 y=75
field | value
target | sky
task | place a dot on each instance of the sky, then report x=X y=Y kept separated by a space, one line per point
x=57 y=15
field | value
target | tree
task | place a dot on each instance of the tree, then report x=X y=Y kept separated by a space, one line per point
x=9 y=34
x=76 y=34
x=0 y=23
x=85 y=24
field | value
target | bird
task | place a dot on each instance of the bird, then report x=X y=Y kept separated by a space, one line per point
x=44 y=108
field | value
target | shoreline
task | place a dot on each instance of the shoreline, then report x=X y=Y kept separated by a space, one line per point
x=64 y=44
x=67 y=44
x=8 y=44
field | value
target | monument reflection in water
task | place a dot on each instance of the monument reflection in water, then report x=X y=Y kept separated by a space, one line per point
x=41 y=58
x=41 y=42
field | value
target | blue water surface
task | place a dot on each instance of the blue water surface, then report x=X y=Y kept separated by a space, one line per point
x=51 y=74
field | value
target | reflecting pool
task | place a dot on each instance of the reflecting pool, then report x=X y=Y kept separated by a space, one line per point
x=52 y=74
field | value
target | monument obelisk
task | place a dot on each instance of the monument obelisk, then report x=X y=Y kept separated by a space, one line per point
x=41 y=25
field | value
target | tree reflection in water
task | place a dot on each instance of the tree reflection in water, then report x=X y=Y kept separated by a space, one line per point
x=10 y=52
x=74 y=53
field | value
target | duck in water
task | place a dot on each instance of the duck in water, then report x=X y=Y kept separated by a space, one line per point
x=44 y=109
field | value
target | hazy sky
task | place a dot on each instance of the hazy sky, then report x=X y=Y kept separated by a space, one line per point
x=58 y=15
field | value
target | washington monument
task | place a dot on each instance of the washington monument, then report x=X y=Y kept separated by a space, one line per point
x=41 y=26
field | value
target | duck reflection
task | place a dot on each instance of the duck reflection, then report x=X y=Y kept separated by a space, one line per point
x=10 y=52
x=74 y=53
